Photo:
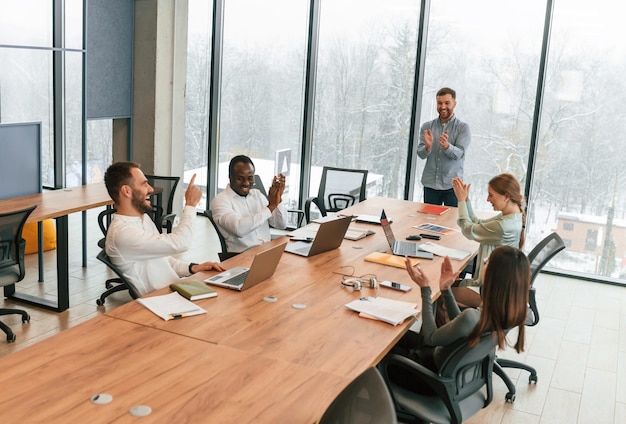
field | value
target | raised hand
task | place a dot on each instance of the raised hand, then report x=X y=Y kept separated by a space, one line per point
x=193 y=194
x=447 y=276
x=461 y=190
x=428 y=140
x=416 y=273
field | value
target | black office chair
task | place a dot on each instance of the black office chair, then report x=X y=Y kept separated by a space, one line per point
x=458 y=388
x=224 y=254
x=12 y=267
x=119 y=283
x=365 y=400
x=339 y=188
x=541 y=254
x=162 y=207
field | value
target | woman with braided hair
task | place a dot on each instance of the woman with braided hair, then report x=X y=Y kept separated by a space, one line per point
x=503 y=229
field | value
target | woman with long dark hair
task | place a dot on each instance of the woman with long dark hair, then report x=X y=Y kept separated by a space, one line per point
x=506 y=282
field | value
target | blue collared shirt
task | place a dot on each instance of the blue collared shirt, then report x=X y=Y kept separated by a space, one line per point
x=443 y=165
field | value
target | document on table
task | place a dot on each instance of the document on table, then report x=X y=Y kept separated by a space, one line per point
x=388 y=310
x=310 y=231
x=444 y=251
x=171 y=306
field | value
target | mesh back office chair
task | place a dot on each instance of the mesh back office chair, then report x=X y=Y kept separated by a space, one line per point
x=12 y=267
x=120 y=282
x=457 y=389
x=164 y=201
x=339 y=188
x=541 y=254
x=224 y=254
x=365 y=400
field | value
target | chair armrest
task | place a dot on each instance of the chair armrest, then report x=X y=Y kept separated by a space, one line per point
x=307 y=208
x=532 y=304
x=21 y=247
x=166 y=222
x=300 y=213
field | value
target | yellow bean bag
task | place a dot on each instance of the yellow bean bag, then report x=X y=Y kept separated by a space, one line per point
x=49 y=236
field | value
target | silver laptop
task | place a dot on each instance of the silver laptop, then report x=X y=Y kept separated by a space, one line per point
x=241 y=278
x=399 y=247
x=329 y=236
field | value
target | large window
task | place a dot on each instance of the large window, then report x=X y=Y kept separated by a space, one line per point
x=30 y=89
x=580 y=175
x=364 y=90
x=261 y=91
x=197 y=92
x=488 y=51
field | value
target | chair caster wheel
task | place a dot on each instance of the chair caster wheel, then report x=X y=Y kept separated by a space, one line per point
x=99 y=302
x=11 y=338
x=532 y=379
x=26 y=319
x=510 y=397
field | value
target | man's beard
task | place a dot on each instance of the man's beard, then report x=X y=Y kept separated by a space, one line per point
x=140 y=203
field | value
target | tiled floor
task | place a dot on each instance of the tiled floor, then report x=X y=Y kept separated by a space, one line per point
x=578 y=348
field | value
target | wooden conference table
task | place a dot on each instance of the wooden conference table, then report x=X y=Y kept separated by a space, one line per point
x=57 y=204
x=246 y=360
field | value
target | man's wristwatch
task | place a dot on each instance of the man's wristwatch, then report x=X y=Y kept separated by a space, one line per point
x=191 y=266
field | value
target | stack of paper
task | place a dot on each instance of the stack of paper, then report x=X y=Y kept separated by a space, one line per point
x=171 y=306
x=388 y=310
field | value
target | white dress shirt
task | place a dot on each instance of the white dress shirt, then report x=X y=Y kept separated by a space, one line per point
x=245 y=221
x=143 y=254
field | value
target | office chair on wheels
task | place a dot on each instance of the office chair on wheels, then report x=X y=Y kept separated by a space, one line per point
x=365 y=400
x=457 y=389
x=119 y=283
x=12 y=267
x=339 y=188
x=541 y=254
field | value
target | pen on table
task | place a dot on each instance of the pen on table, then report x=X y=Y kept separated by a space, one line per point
x=178 y=315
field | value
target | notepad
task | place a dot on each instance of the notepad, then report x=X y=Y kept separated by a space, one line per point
x=193 y=290
x=388 y=259
x=390 y=311
x=355 y=233
x=171 y=306
x=432 y=209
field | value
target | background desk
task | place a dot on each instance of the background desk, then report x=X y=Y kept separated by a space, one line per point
x=57 y=204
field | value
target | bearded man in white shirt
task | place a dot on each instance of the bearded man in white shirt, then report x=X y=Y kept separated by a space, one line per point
x=133 y=242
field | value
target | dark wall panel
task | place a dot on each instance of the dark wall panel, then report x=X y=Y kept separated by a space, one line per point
x=109 y=58
x=20 y=159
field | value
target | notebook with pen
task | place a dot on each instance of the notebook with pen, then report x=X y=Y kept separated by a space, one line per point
x=241 y=278
x=401 y=248
x=329 y=236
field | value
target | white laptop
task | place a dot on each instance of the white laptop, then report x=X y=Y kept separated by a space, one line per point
x=329 y=236
x=399 y=247
x=241 y=278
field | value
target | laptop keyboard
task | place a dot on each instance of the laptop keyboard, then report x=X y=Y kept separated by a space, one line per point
x=238 y=280
x=405 y=249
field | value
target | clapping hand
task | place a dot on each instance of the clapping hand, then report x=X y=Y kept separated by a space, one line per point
x=461 y=190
